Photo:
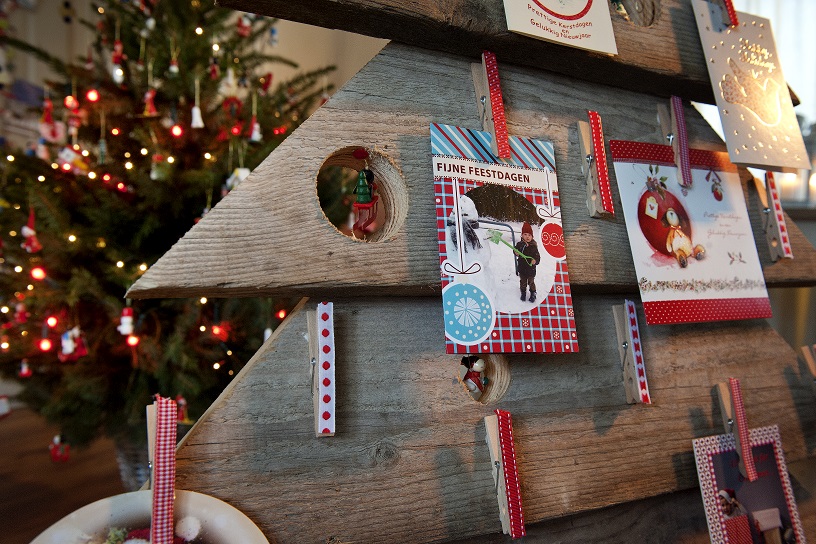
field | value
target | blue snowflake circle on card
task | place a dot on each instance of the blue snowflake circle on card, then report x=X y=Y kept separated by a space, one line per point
x=468 y=313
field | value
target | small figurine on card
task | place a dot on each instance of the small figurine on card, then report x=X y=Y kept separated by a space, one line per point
x=471 y=373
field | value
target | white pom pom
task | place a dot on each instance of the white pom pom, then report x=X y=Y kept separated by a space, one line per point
x=136 y=541
x=188 y=528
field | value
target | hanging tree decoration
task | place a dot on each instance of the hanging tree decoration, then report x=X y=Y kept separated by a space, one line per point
x=243 y=26
x=174 y=53
x=150 y=95
x=142 y=51
x=30 y=242
x=197 y=120
x=118 y=56
x=255 y=135
x=103 y=144
x=89 y=63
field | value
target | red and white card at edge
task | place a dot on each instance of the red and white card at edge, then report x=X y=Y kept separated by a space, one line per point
x=693 y=247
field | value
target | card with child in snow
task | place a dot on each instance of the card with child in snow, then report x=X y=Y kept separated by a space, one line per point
x=505 y=285
x=692 y=244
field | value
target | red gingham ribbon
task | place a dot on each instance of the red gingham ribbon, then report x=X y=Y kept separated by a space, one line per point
x=599 y=154
x=511 y=479
x=497 y=105
x=164 y=472
x=776 y=209
x=683 y=162
x=732 y=13
x=741 y=423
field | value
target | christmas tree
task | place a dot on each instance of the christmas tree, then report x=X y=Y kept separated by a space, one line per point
x=173 y=106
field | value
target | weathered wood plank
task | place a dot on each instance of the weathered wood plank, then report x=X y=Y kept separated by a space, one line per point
x=409 y=461
x=269 y=236
x=663 y=59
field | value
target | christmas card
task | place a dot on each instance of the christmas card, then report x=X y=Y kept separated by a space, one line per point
x=505 y=286
x=693 y=248
x=743 y=512
x=585 y=24
x=755 y=107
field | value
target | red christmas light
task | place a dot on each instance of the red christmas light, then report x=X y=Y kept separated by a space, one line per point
x=115 y=131
x=220 y=332
x=121 y=186
x=106 y=178
x=66 y=166
x=281 y=314
x=176 y=131
x=38 y=273
x=92 y=95
x=45 y=344
x=51 y=321
x=71 y=102
x=132 y=340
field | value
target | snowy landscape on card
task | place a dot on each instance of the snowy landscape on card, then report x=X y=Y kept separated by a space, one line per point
x=497 y=277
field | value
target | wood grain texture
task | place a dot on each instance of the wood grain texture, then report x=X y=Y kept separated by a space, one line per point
x=664 y=58
x=409 y=462
x=269 y=236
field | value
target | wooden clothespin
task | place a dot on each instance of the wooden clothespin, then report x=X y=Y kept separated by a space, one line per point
x=631 y=353
x=489 y=103
x=734 y=421
x=809 y=354
x=729 y=13
x=594 y=166
x=673 y=126
x=773 y=219
x=499 y=437
x=322 y=356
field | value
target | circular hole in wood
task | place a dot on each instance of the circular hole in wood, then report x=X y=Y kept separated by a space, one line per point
x=638 y=12
x=371 y=208
x=490 y=370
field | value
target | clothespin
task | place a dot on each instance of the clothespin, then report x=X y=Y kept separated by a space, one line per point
x=322 y=358
x=489 y=103
x=631 y=353
x=809 y=354
x=773 y=219
x=729 y=13
x=734 y=421
x=594 y=166
x=673 y=126
x=162 y=419
x=499 y=437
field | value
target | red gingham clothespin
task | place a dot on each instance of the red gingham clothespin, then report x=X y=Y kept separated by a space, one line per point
x=164 y=471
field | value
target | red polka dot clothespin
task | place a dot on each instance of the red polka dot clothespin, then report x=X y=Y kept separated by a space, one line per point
x=500 y=442
x=490 y=104
x=773 y=218
x=630 y=348
x=595 y=167
x=321 y=333
x=735 y=421
x=733 y=20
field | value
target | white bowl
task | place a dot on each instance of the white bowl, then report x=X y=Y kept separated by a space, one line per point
x=220 y=522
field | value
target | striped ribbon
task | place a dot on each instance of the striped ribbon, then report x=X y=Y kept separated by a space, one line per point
x=164 y=472
x=682 y=152
x=511 y=479
x=776 y=209
x=601 y=167
x=741 y=423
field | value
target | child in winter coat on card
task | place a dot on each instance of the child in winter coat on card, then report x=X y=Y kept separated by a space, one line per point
x=527 y=264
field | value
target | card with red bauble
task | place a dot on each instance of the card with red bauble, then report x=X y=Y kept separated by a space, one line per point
x=693 y=247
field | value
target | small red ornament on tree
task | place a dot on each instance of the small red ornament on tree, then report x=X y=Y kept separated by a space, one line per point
x=150 y=106
x=30 y=243
x=125 y=327
x=73 y=346
x=25 y=370
x=60 y=451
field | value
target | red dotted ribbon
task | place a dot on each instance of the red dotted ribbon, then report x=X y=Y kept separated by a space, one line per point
x=511 y=479
x=741 y=423
x=601 y=167
x=637 y=350
x=681 y=138
x=732 y=13
x=164 y=472
x=497 y=105
x=326 y=389
x=776 y=209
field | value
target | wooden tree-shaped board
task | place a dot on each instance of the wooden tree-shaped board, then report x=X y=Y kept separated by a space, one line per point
x=409 y=461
